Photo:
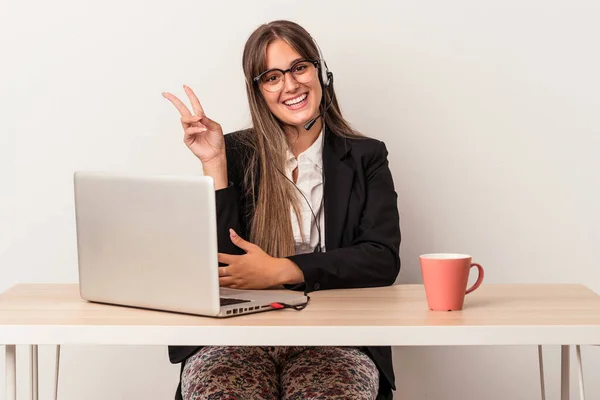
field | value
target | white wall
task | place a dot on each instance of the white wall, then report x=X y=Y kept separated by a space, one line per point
x=489 y=113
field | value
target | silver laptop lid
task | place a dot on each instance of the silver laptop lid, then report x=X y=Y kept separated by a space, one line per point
x=148 y=241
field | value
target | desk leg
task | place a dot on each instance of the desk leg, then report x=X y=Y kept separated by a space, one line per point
x=541 y=366
x=56 y=370
x=11 y=372
x=33 y=349
x=565 y=386
x=580 y=373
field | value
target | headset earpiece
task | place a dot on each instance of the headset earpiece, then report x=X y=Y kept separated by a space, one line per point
x=326 y=76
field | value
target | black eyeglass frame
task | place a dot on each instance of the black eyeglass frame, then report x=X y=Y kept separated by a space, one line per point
x=283 y=72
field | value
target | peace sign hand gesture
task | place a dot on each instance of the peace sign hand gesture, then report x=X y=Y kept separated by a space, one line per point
x=203 y=136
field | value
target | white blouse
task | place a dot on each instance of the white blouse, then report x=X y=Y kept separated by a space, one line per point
x=310 y=183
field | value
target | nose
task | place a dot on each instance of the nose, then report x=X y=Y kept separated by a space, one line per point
x=289 y=82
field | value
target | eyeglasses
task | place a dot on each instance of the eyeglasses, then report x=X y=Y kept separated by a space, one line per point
x=273 y=80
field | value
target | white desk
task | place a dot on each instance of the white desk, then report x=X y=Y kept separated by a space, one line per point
x=519 y=314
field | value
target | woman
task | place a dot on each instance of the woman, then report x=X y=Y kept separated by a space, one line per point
x=303 y=201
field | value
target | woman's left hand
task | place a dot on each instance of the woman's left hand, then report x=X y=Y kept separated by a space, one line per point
x=255 y=269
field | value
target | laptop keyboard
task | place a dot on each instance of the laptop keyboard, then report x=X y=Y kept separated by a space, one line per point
x=227 y=301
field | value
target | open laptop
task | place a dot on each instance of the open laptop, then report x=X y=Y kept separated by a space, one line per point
x=150 y=241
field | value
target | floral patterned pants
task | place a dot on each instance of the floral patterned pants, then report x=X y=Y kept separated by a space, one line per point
x=286 y=373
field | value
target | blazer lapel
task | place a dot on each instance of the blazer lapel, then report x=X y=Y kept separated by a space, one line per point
x=338 y=184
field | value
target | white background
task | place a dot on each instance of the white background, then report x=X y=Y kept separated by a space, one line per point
x=489 y=112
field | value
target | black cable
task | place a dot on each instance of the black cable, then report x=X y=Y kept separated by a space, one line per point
x=317 y=222
x=278 y=305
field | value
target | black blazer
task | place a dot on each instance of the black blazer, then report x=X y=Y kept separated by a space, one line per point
x=362 y=229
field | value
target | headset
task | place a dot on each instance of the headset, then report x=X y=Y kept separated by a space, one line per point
x=327 y=81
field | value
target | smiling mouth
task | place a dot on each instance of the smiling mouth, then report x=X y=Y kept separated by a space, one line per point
x=297 y=102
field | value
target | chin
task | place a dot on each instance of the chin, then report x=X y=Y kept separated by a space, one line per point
x=299 y=119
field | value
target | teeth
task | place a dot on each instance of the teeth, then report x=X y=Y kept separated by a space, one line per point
x=296 y=100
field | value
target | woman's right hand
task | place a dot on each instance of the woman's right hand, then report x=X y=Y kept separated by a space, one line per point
x=203 y=136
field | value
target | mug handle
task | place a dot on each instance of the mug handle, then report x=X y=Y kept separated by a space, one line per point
x=479 y=278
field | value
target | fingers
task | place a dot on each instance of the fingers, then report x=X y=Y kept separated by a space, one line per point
x=183 y=110
x=210 y=124
x=187 y=118
x=192 y=126
x=202 y=121
x=239 y=242
x=194 y=100
x=228 y=281
x=225 y=278
x=227 y=259
x=194 y=130
x=190 y=119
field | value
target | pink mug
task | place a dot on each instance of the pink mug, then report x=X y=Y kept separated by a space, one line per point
x=445 y=277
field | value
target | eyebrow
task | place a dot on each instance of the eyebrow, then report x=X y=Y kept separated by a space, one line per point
x=291 y=63
x=295 y=61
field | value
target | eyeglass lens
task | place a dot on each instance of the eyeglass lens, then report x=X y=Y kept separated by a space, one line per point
x=303 y=72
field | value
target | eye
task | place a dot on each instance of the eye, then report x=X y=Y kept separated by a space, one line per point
x=299 y=68
x=271 y=78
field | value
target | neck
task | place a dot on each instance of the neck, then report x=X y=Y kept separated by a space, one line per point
x=299 y=139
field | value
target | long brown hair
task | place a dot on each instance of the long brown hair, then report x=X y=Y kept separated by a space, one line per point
x=271 y=227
